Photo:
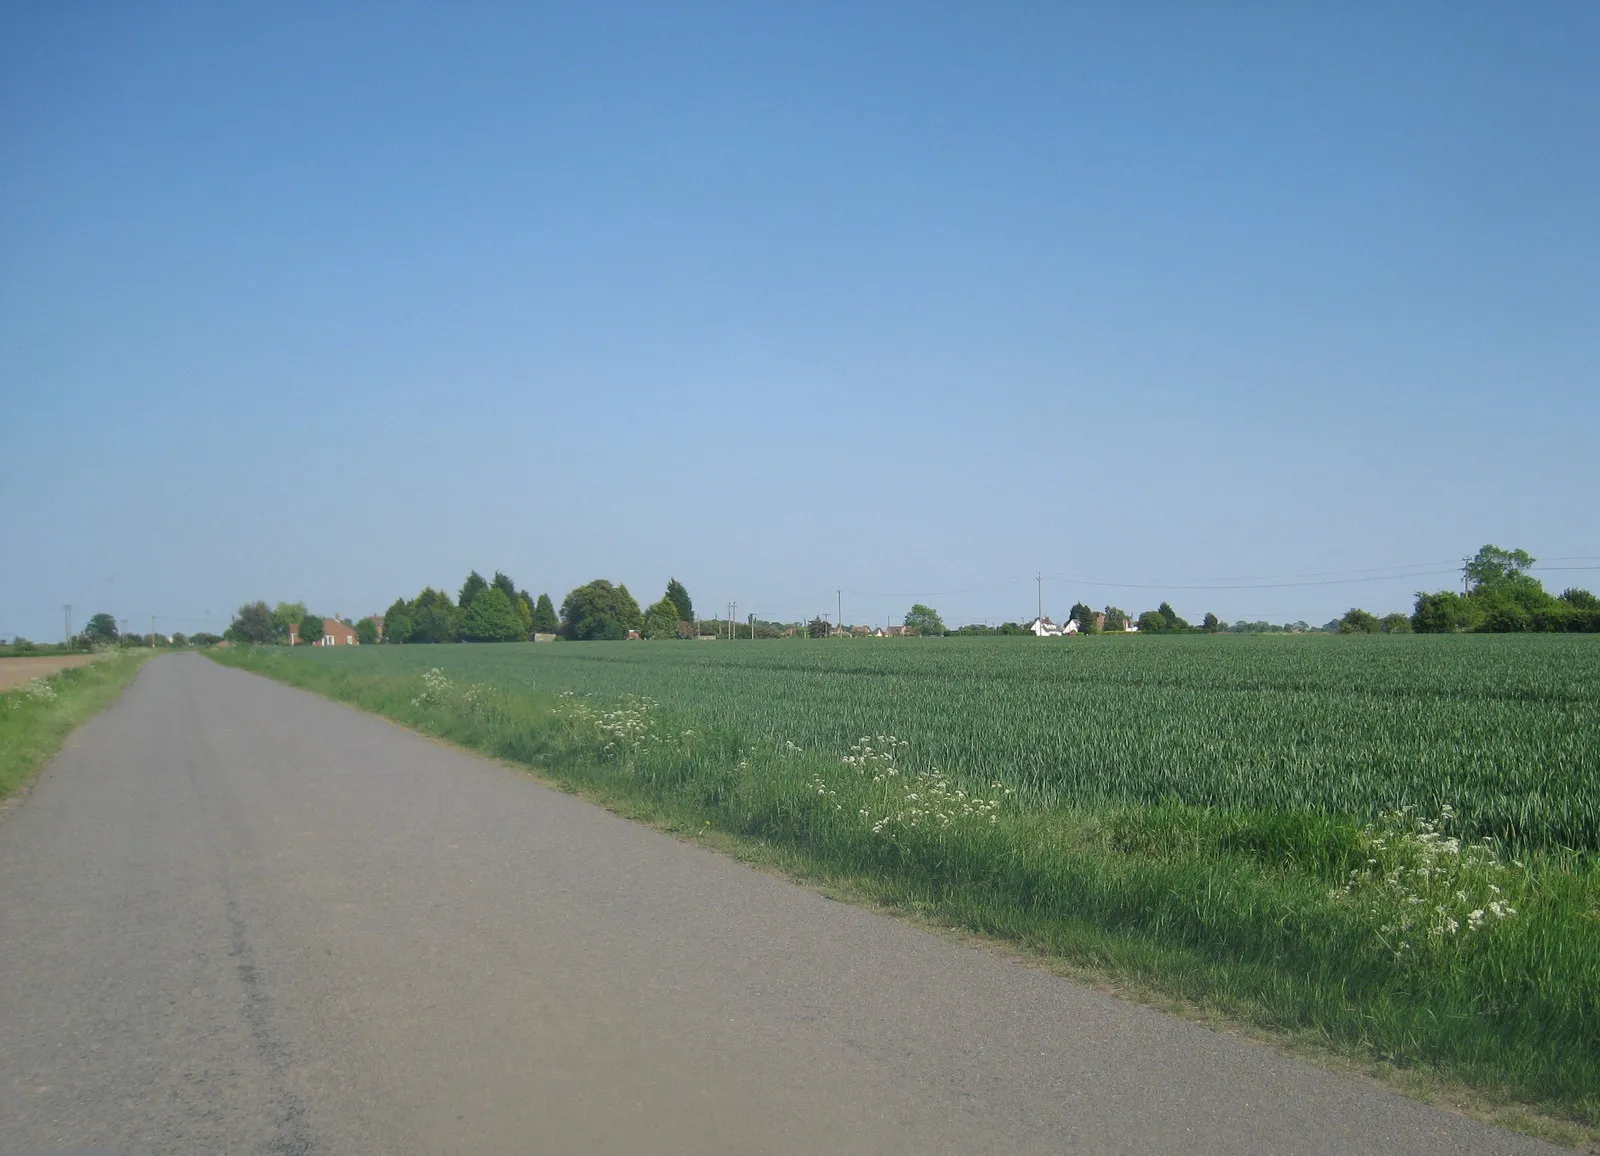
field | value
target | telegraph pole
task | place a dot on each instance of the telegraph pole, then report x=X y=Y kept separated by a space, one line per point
x=1465 y=563
x=152 y=632
x=839 y=596
x=1041 y=593
x=733 y=630
x=67 y=614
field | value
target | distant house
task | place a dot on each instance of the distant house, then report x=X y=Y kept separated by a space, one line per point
x=894 y=631
x=1099 y=623
x=861 y=631
x=336 y=633
x=1044 y=628
x=377 y=620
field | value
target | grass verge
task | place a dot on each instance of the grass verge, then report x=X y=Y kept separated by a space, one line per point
x=1463 y=973
x=37 y=716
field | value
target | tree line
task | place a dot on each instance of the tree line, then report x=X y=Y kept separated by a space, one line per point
x=262 y=625
x=497 y=611
x=101 y=633
x=1112 y=620
x=1501 y=596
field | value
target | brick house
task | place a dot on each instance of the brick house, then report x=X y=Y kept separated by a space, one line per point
x=336 y=633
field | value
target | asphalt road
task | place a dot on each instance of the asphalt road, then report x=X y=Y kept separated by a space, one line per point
x=237 y=918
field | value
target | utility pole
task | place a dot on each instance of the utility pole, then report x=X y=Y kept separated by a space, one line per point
x=733 y=630
x=839 y=596
x=67 y=614
x=1465 y=563
x=1041 y=593
x=152 y=632
x=752 y=627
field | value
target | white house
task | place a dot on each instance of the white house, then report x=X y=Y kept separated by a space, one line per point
x=1044 y=628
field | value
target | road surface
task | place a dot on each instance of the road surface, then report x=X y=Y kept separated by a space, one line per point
x=237 y=918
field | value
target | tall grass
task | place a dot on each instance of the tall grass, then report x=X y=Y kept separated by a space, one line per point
x=1372 y=926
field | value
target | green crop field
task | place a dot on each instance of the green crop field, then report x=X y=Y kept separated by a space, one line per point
x=1387 y=843
x=1504 y=728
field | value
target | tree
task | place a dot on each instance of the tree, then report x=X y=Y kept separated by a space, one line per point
x=924 y=620
x=544 y=616
x=490 y=617
x=1504 y=618
x=367 y=632
x=398 y=622
x=1357 y=621
x=1171 y=616
x=817 y=627
x=1581 y=599
x=1395 y=624
x=287 y=614
x=1443 y=612
x=470 y=589
x=179 y=638
x=102 y=628
x=1084 y=617
x=254 y=624
x=1492 y=567
x=524 y=605
x=680 y=599
x=505 y=585
x=1116 y=618
x=433 y=617
x=661 y=620
x=1153 y=622
x=310 y=627
x=599 y=610
x=1212 y=623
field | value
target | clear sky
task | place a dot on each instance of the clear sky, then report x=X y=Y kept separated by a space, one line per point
x=326 y=302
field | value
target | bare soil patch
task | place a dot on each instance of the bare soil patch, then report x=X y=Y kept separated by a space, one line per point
x=16 y=671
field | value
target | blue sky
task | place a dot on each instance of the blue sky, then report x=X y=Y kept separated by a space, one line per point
x=329 y=302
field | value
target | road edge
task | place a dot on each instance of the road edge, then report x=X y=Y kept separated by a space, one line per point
x=793 y=867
